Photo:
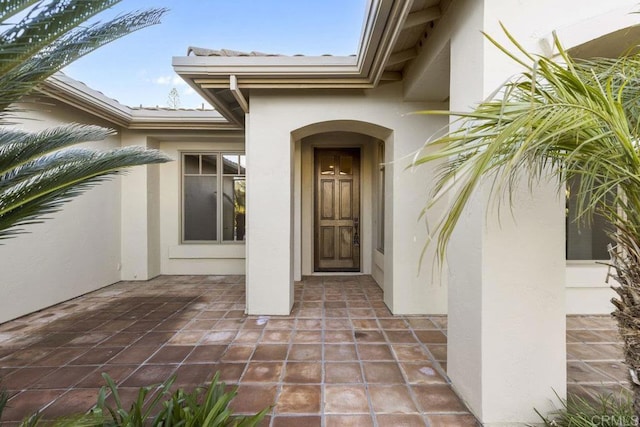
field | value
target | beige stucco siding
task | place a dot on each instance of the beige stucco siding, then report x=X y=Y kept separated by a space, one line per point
x=76 y=251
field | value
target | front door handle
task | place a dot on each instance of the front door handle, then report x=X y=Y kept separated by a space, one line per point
x=356 y=234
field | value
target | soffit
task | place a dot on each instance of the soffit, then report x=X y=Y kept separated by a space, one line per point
x=418 y=25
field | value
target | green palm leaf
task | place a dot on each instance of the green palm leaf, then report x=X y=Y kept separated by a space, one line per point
x=570 y=120
x=25 y=64
x=11 y=7
x=39 y=187
x=18 y=146
x=40 y=171
x=578 y=121
x=47 y=22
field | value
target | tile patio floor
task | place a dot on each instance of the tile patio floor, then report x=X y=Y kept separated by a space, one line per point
x=340 y=359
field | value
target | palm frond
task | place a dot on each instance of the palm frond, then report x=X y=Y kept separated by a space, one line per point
x=39 y=172
x=556 y=118
x=43 y=185
x=43 y=26
x=10 y=8
x=18 y=147
x=24 y=73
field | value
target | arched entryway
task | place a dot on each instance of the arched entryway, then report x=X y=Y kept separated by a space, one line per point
x=359 y=192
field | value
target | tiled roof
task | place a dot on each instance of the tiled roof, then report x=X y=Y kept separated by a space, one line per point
x=199 y=51
x=157 y=108
x=98 y=94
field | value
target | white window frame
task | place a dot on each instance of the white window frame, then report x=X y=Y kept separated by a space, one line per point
x=220 y=175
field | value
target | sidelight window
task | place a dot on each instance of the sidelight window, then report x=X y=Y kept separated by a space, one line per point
x=381 y=197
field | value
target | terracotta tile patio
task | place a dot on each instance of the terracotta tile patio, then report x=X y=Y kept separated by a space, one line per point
x=594 y=357
x=340 y=359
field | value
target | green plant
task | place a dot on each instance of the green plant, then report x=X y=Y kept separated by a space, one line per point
x=4 y=398
x=39 y=171
x=603 y=411
x=147 y=403
x=569 y=119
x=156 y=406
x=79 y=420
x=206 y=407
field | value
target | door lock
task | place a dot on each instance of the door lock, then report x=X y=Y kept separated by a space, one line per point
x=356 y=234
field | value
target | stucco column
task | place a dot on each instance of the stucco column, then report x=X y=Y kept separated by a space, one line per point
x=506 y=348
x=140 y=244
x=269 y=280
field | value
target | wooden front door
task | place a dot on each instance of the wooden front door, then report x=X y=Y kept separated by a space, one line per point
x=337 y=209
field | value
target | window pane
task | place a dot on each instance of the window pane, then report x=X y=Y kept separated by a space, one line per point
x=584 y=241
x=200 y=208
x=233 y=208
x=209 y=165
x=327 y=166
x=346 y=164
x=230 y=164
x=192 y=164
x=381 y=197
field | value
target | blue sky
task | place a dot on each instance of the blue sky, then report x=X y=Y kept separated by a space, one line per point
x=137 y=69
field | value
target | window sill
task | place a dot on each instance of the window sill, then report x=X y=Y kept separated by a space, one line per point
x=586 y=262
x=207 y=251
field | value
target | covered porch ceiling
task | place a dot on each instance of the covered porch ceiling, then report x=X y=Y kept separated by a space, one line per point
x=395 y=34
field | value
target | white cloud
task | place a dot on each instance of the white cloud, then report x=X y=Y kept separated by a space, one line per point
x=169 y=80
x=162 y=80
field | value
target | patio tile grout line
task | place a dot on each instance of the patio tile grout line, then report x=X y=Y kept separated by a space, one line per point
x=372 y=411
x=374 y=310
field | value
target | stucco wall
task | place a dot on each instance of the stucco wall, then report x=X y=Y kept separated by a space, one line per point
x=276 y=120
x=508 y=275
x=586 y=291
x=75 y=252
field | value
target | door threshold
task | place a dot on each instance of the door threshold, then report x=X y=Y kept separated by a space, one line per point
x=336 y=273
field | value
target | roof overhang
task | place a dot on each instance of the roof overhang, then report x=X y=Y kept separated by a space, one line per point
x=80 y=96
x=226 y=81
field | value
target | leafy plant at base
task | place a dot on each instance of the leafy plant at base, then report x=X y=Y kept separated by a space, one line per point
x=570 y=119
x=203 y=407
x=604 y=411
x=157 y=406
x=39 y=171
x=4 y=399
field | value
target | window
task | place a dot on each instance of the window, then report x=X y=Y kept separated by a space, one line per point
x=585 y=241
x=381 y=195
x=213 y=197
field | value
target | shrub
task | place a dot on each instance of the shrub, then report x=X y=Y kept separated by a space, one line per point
x=604 y=411
x=155 y=406
x=203 y=407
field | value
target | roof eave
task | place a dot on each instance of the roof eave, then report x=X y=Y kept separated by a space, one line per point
x=82 y=97
x=179 y=119
x=72 y=92
x=211 y=76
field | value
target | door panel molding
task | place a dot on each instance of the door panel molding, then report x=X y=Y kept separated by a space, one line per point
x=337 y=209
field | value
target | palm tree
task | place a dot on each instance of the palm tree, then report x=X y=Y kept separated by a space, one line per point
x=42 y=170
x=577 y=120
